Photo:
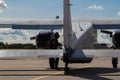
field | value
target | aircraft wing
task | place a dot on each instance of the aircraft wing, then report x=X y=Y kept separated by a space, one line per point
x=56 y=23
x=31 y=24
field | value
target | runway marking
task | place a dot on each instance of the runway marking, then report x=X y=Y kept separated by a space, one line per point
x=42 y=77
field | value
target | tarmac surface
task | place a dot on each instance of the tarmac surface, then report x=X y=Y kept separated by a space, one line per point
x=99 y=69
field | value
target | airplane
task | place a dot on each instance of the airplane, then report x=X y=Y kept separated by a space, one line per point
x=79 y=38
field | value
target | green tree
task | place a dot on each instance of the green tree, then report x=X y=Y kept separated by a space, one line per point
x=2 y=45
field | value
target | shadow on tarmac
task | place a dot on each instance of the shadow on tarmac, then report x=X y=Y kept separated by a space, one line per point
x=86 y=73
x=94 y=73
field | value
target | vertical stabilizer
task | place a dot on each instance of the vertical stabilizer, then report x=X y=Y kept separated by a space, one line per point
x=67 y=24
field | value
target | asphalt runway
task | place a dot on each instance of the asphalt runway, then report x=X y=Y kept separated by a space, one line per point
x=99 y=69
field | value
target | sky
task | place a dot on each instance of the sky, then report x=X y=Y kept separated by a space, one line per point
x=49 y=9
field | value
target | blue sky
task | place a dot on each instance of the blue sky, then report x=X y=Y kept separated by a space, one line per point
x=48 y=9
x=32 y=9
x=51 y=8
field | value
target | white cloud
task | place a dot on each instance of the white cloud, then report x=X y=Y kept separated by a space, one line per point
x=103 y=38
x=118 y=13
x=95 y=7
x=3 y=5
x=16 y=36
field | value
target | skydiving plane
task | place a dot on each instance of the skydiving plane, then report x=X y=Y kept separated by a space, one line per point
x=80 y=38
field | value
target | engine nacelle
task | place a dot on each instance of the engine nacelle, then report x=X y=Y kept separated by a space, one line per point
x=116 y=39
x=43 y=38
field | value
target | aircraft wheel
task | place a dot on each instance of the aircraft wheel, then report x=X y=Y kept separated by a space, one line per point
x=114 y=62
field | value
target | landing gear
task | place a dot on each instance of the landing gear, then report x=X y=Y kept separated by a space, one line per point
x=66 y=69
x=53 y=62
x=115 y=62
x=66 y=60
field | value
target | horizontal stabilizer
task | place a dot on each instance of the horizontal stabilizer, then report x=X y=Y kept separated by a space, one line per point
x=95 y=53
x=36 y=53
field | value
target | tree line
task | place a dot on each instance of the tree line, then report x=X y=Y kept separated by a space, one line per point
x=17 y=46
